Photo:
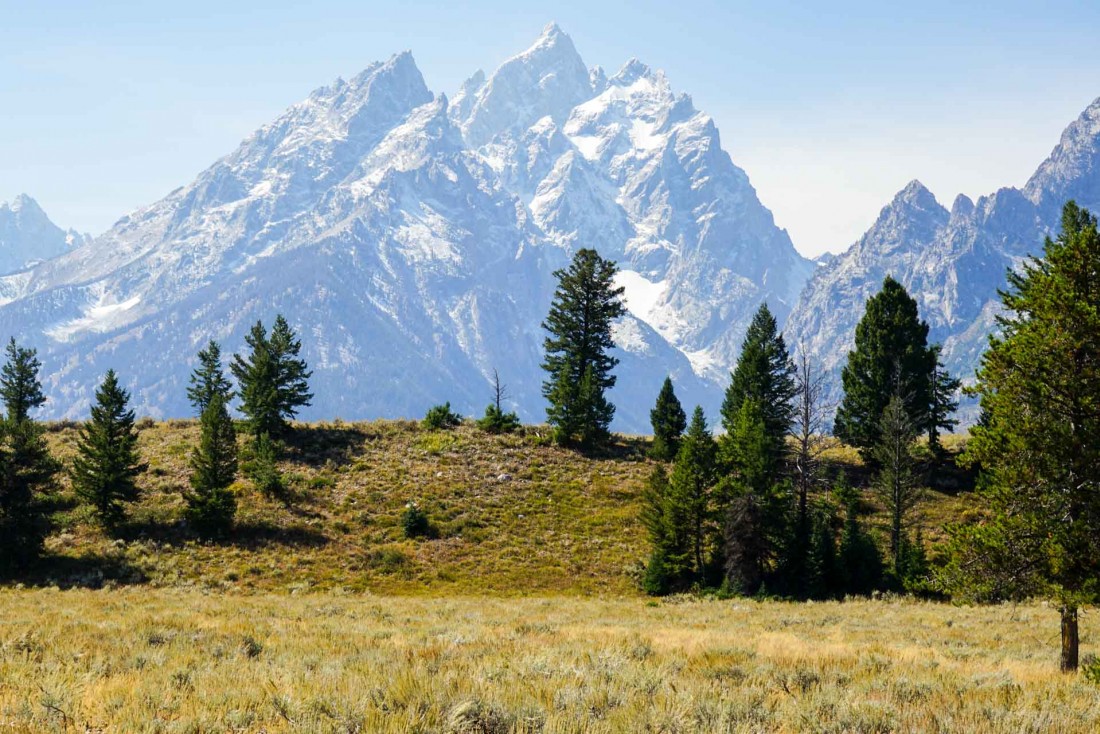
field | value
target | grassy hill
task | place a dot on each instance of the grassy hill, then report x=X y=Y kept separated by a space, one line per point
x=511 y=514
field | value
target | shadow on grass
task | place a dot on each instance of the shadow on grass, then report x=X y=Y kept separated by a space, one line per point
x=320 y=445
x=247 y=534
x=88 y=571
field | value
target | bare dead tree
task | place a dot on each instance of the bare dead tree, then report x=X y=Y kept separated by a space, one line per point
x=808 y=429
x=500 y=391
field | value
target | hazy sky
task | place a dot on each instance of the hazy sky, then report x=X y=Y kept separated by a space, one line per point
x=830 y=107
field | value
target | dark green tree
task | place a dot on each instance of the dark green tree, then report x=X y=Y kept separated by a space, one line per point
x=690 y=487
x=273 y=380
x=578 y=363
x=859 y=560
x=897 y=483
x=891 y=356
x=669 y=530
x=1039 y=450
x=20 y=387
x=262 y=469
x=211 y=505
x=106 y=467
x=945 y=401
x=766 y=375
x=27 y=470
x=292 y=373
x=752 y=503
x=208 y=379
x=669 y=421
x=825 y=577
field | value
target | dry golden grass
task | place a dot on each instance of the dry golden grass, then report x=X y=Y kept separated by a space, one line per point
x=175 y=660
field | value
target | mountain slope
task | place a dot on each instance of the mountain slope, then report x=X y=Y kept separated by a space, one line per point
x=414 y=262
x=952 y=262
x=28 y=237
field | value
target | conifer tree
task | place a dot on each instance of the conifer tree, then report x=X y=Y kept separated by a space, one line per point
x=808 y=432
x=897 y=485
x=766 y=375
x=690 y=488
x=27 y=470
x=208 y=379
x=751 y=502
x=944 y=402
x=273 y=380
x=891 y=356
x=105 y=470
x=20 y=387
x=211 y=505
x=669 y=421
x=577 y=361
x=859 y=560
x=825 y=578
x=496 y=420
x=1039 y=450
x=668 y=527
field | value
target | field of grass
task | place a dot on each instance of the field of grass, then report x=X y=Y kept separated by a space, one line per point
x=511 y=514
x=175 y=660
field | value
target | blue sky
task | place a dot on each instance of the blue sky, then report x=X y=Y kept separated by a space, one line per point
x=830 y=107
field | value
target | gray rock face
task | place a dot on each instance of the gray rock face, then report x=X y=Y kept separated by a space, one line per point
x=952 y=262
x=412 y=243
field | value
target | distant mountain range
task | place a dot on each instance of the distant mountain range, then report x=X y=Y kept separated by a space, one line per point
x=412 y=239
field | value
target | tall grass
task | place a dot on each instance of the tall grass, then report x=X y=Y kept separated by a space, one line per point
x=187 y=661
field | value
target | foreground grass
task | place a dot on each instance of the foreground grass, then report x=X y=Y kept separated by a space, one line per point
x=182 y=661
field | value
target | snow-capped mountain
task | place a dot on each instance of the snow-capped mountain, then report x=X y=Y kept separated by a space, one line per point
x=953 y=262
x=27 y=236
x=412 y=243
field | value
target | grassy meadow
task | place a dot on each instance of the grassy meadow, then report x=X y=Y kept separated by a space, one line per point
x=187 y=661
x=520 y=614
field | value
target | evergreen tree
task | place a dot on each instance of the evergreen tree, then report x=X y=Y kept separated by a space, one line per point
x=211 y=505
x=766 y=375
x=208 y=380
x=690 y=487
x=105 y=470
x=262 y=469
x=752 y=502
x=669 y=421
x=20 y=387
x=26 y=468
x=669 y=531
x=891 y=356
x=273 y=380
x=825 y=578
x=577 y=362
x=859 y=560
x=897 y=484
x=292 y=373
x=941 y=413
x=1039 y=450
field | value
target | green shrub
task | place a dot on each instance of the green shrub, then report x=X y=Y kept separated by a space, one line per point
x=262 y=470
x=1090 y=669
x=497 y=421
x=414 y=522
x=440 y=417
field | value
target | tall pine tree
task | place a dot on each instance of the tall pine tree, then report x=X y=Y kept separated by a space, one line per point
x=891 y=357
x=577 y=362
x=941 y=413
x=27 y=470
x=105 y=470
x=669 y=421
x=1039 y=449
x=690 y=488
x=208 y=379
x=273 y=380
x=766 y=375
x=211 y=505
x=897 y=484
x=20 y=387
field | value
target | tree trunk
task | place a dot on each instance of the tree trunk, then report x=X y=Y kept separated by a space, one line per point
x=1070 y=639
